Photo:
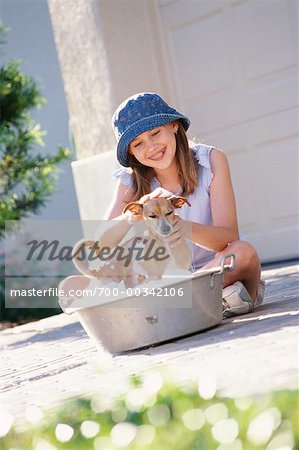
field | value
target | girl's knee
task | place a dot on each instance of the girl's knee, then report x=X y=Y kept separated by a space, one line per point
x=246 y=254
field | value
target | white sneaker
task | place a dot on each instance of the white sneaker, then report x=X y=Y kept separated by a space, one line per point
x=236 y=299
x=260 y=294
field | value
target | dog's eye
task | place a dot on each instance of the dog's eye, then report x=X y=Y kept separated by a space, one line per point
x=168 y=213
x=152 y=216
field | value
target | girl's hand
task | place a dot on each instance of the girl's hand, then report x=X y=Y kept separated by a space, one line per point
x=182 y=230
x=158 y=192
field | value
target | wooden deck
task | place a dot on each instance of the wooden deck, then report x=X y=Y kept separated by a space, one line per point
x=45 y=362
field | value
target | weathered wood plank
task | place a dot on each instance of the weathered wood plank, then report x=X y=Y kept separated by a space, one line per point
x=46 y=362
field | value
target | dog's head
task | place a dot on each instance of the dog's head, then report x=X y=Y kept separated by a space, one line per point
x=158 y=212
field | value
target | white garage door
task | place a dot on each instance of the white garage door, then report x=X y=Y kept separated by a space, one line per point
x=234 y=70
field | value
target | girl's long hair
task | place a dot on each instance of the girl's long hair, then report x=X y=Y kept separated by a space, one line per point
x=186 y=165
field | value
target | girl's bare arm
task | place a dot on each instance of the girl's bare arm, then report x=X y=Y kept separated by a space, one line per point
x=118 y=222
x=223 y=207
x=225 y=225
x=121 y=196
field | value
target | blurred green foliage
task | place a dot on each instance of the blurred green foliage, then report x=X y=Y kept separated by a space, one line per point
x=158 y=415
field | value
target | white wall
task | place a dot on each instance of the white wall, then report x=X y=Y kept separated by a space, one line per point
x=230 y=65
x=31 y=40
x=235 y=66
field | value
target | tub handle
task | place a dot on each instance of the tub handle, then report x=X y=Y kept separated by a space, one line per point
x=229 y=267
x=223 y=267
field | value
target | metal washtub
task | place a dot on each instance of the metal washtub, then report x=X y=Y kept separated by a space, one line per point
x=125 y=325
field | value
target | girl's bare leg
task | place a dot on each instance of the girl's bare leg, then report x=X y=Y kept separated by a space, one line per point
x=247 y=266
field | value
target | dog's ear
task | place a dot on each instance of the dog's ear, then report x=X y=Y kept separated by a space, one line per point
x=178 y=202
x=134 y=207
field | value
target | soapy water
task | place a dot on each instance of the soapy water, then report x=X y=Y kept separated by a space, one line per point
x=98 y=292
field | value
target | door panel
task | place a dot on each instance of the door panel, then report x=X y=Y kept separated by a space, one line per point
x=235 y=68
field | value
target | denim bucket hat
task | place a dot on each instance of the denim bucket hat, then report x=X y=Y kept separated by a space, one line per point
x=140 y=113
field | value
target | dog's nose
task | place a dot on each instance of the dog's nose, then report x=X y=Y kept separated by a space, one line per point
x=165 y=230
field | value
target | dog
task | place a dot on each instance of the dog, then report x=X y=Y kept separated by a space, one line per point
x=159 y=216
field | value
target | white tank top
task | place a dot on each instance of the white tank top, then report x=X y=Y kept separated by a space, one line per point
x=200 y=210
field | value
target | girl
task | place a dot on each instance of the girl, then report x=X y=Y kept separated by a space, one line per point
x=156 y=161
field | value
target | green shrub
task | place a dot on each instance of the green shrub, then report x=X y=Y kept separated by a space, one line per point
x=27 y=177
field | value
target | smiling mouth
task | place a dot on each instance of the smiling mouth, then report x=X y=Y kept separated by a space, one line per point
x=158 y=156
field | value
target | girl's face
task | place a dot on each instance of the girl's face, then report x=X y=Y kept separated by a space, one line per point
x=156 y=148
